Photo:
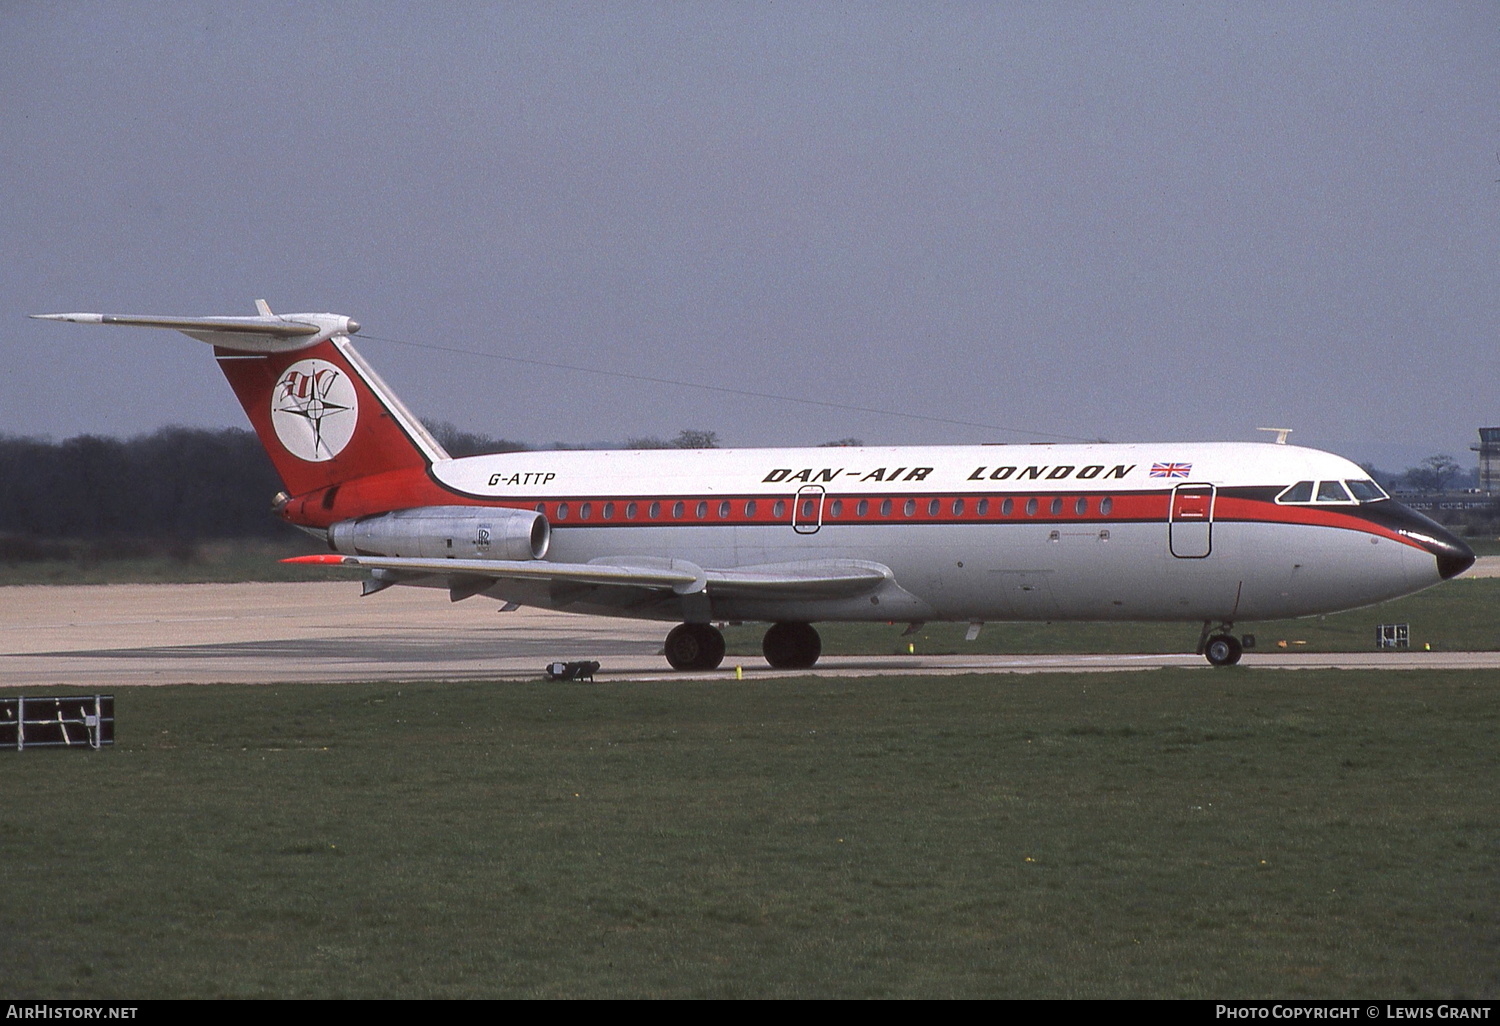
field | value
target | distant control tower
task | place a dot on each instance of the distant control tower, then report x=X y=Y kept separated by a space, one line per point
x=1489 y=459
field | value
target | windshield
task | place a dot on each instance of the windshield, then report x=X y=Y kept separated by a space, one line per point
x=1367 y=491
x=1344 y=493
x=1302 y=491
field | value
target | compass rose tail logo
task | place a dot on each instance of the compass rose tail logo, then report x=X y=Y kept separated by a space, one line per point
x=314 y=409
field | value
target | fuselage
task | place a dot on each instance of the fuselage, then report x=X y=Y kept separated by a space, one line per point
x=1168 y=531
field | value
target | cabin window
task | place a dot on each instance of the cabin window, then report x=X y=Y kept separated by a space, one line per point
x=562 y=511
x=1056 y=507
x=1081 y=506
x=631 y=509
x=654 y=510
x=933 y=507
x=678 y=509
x=779 y=510
x=982 y=508
x=885 y=508
x=724 y=510
x=836 y=508
x=541 y=507
x=608 y=512
x=702 y=510
x=862 y=508
x=1105 y=505
x=1031 y=507
x=585 y=511
x=1007 y=507
x=750 y=509
x=958 y=507
x=910 y=508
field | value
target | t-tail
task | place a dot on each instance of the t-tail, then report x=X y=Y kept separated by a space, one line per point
x=325 y=417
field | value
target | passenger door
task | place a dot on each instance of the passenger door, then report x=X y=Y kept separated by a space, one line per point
x=807 y=509
x=1190 y=526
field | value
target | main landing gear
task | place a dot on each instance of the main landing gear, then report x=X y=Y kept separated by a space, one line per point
x=694 y=646
x=1220 y=647
x=700 y=646
x=792 y=646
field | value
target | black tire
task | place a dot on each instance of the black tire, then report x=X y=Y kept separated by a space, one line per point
x=694 y=646
x=792 y=646
x=1223 y=650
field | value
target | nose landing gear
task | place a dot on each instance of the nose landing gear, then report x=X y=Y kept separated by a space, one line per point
x=1223 y=650
x=1219 y=647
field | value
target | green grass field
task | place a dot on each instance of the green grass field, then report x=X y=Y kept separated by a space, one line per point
x=1238 y=833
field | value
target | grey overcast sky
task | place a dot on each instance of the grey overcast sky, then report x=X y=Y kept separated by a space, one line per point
x=1132 y=221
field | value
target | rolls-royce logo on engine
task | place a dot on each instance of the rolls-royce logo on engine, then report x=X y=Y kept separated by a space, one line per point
x=314 y=409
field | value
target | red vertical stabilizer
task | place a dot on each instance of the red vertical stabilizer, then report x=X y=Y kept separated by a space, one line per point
x=324 y=415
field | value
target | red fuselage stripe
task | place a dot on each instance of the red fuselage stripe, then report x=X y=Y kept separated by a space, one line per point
x=405 y=490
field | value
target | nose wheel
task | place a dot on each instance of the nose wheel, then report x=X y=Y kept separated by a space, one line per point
x=694 y=646
x=1223 y=650
x=1220 y=647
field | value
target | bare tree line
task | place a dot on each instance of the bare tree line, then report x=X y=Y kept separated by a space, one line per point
x=188 y=484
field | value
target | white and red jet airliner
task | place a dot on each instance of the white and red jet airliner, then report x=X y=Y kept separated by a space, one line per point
x=1213 y=533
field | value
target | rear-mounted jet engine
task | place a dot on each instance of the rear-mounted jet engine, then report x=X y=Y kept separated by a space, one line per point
x=439 y=532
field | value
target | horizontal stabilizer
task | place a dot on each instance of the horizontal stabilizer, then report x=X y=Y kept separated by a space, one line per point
x=266 y=333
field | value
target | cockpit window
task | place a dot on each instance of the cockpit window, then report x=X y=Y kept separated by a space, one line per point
x=1343 y=493
x=1302 y=491
x=1367 y=491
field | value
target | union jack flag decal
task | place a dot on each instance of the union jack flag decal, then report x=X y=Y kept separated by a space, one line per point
x=1171 y=469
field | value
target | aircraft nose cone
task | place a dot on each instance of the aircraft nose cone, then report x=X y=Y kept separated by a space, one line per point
x=1453 y=555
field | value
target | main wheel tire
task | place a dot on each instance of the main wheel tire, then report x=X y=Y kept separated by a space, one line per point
x=694 y=646
x=1223 y=650
x=792 y=646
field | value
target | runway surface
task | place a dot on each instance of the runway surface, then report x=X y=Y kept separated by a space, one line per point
x=1484 y=566
x=124 y=634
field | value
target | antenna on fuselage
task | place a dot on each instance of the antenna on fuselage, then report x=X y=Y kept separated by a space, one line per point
x=1281 y=434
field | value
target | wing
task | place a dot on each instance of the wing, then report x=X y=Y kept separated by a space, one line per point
x=629 y=577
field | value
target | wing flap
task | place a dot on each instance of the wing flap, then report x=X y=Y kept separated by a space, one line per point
x=817 y=578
